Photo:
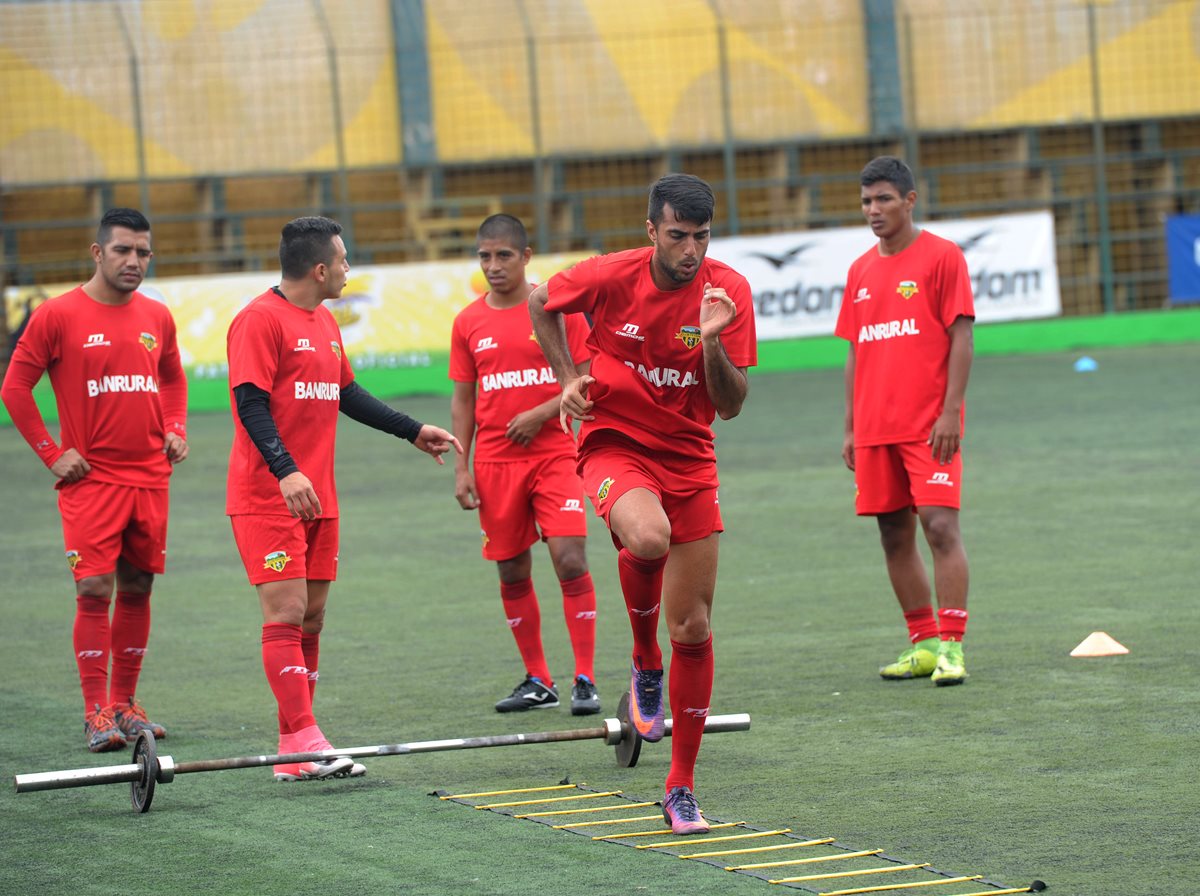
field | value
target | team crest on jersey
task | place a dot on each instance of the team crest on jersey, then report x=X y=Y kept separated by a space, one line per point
x=73 y=558
x=148 y=340
x=483 y=536
x=907 y=288
x=602 y=492
x=689 y=336
x=276 y=560
x=337 y=349
x=533 y=338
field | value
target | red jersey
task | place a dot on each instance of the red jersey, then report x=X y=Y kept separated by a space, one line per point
x=117 y=380
x=896 y=311
x=496 y=348
x=645 y=347
x=297 y=357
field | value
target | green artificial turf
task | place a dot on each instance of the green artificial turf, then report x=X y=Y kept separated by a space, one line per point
x=1080 y=516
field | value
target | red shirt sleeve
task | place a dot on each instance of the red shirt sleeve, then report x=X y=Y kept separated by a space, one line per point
x=576 y=288
x=173 y=387
x=34 y=354
x=462 y=362
x=958 y=298
x=254 y=346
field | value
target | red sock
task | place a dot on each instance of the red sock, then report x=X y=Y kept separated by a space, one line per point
x=310 y=645
x=92 y=639
x=641 y=584
x=130 y=634
x=579 y=609
x=525 y=620
x=953 y=624
x=921 y=624
x=690 y=684
x=287 y=674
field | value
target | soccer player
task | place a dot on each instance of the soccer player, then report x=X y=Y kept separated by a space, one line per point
x=523 y=479
x=672 y=336
x=908 y=314
x=289 y=379
x=122 y=408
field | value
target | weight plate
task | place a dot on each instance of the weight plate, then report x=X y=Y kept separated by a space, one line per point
x=630 y=746
x=145 y=754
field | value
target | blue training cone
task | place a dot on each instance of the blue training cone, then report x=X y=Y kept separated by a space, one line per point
x=1086 y=365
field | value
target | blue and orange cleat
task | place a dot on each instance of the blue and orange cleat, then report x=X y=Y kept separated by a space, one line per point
x=682 y=814
x=132 y=721
x=646 y=703
x=101 y=729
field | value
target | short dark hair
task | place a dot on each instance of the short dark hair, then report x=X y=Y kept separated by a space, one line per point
x=890 y=169
x=506 y=228
x=690 y=197
x=129 y=218
x=306 y=242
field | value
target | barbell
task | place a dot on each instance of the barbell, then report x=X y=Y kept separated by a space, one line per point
x=148 y=768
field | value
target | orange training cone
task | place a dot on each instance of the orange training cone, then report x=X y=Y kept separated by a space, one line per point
x=1099 y=644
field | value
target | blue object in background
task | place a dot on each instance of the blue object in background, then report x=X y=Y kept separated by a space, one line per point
x=1183 y=259
x=1086 y=365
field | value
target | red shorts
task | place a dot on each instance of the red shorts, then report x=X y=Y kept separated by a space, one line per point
x=687 y=489
x=103 y=522
x=518 y=499
x=275 y=548
x=892 y=477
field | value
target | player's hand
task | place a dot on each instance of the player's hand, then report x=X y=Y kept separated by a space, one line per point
x=70 y=466
x=574 y=404
x=301 y=499
x=944 y=438
x=717 y=311
x=464 y=490
x=848 y=450
x=435 y=441
x=524 y=427
x=175 y=447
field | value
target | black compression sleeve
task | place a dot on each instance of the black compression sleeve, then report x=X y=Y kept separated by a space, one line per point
x=254 y=410
x=359 y=404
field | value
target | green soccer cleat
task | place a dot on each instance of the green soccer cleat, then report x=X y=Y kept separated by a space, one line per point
x=950 y=666
x=916 y=662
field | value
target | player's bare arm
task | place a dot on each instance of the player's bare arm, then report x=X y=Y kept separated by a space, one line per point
x=299 y=495
x=70 y=466
x=946 y=435
x=435 y=442
x=848 y=435
x=462 y=421
x=175 y=447
x=551 y=332
x=727 y=385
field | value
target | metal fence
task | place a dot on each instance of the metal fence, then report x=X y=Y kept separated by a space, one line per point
x=411 y=120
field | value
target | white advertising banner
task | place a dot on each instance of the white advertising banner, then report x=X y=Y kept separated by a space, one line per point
x=798 y=278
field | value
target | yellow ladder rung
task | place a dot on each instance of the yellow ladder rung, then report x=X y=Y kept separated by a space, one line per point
x=550 y=799
x=831 y=857
x=738 y=852
x=728 y=824
x=592 y=824
x=467 y=796
x=919 y=883
x=862 y=873
x=617 y=807
x=688 y=842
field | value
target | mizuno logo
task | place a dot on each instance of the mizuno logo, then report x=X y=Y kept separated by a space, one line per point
x=89 y=654
x=485 y=343
x=514 y=621
x=95 y=340
x=586 y=614
x=134 y=651
x=864 y=295
x=303 y=345
x=781 y=261
x=634 y=611
x=698 y=713
x=572 y=505
x=630 y=331
x=939 y=479
x=294 y=670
